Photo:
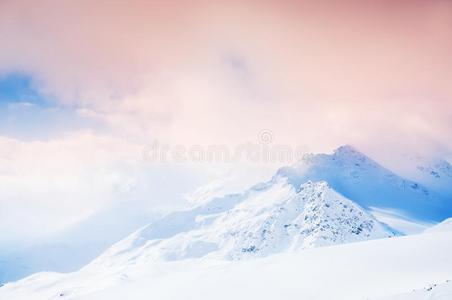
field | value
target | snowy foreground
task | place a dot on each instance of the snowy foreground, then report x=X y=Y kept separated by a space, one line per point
x=412 y=267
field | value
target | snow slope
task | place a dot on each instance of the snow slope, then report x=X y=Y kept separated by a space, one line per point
x=75 y=247
x=400 y=222
x=441 y=291
x=267 y=219
x=364 y=181
x=445 y=225
x=366 y=270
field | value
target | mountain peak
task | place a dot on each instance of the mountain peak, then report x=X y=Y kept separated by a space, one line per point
x=346 y=150
x=363 y=180
x=351 y=154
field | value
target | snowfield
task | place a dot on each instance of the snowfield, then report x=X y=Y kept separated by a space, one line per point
x=444 y=226
x=442 y=291
x=378 y=269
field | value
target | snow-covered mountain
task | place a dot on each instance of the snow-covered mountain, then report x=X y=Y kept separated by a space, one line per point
x=323 y=200
x=270 y=218
x=432 y=172
x=369 y=184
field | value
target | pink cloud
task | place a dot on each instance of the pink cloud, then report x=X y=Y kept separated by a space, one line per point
x=363 y=72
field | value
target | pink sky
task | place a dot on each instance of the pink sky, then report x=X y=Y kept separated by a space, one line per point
x=376 y=74
x=360 y=72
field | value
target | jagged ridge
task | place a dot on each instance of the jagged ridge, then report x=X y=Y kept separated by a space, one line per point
x=271 y=218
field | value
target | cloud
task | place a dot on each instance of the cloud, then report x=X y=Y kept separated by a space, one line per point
x=49 y=185
x=195 y=72
x=46 y=185
x=349 y=71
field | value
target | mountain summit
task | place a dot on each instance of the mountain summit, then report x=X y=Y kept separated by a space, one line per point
x=363 y=180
